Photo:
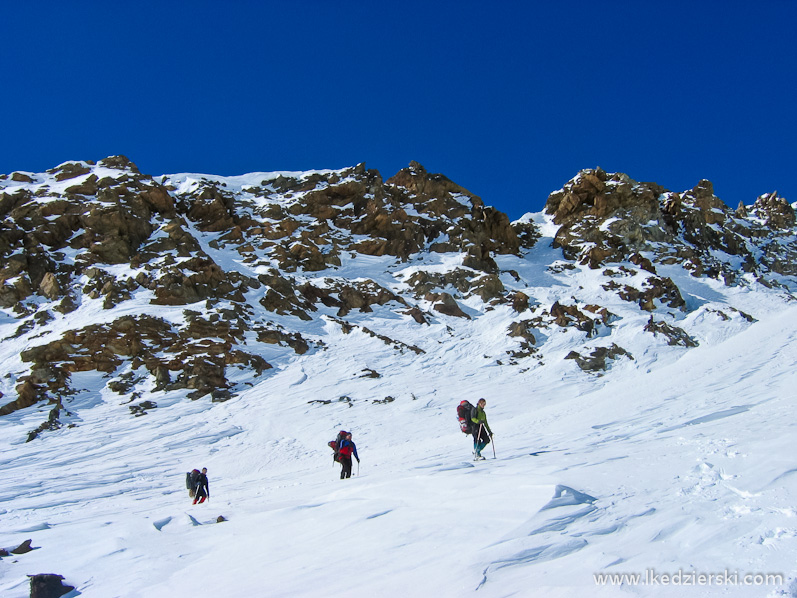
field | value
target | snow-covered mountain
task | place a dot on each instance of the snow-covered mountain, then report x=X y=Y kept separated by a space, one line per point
x=635 y=347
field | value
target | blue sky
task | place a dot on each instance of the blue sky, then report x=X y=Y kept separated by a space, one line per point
x=508 y=99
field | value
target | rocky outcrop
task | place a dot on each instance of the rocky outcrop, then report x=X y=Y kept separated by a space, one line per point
x=571 y=315
x=468 y=282
x=673 y=334
x=194 y=357
x=196 y=279
x=775 y=211
x=655 y=292
x=600 y=359
x=477 y=230
x=610 y=218
x=524 y=332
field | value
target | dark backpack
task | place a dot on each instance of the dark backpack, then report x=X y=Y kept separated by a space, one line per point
x=191 y=479
x=464 y=413
x=335 y=444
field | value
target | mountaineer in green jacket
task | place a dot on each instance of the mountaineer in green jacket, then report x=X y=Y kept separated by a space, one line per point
x=481 y=429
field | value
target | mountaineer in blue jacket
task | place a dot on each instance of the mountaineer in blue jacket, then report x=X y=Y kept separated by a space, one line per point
x=346 y=450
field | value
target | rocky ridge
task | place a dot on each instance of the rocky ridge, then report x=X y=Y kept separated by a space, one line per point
x=196 y=285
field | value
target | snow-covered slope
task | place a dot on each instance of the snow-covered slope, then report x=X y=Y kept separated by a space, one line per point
x=676 y=456
x=687 y=468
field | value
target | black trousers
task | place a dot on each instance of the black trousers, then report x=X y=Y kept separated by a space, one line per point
x=480 y=436
x=345 y=471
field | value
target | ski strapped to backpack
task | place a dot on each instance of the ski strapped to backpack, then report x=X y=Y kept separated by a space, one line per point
x=335 y=444
x=191 y=479
x=464 y=414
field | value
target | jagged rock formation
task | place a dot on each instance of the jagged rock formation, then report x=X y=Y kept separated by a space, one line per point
x=608 y=218
x=206 y=280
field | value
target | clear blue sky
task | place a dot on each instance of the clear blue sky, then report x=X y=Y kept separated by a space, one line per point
x=508 y=99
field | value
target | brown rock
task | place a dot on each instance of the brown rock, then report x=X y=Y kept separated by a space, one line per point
x=69 y=170
x=23 y=548
x=417 y=315
x=212 y=209
x=597 y=360
x=741 y=210
x=447 y=305
x=570 y=315
x=27 y=394
x=120 y=163
x=21 y=177
x=520 y=301
x=48 y=585
x=523 y=329
x=49 y=287
x=158 y=198
x=14 y=265
x=87 y=187
x=673 y=334
x=488 y=287
x=642 y=262
x=775 y=210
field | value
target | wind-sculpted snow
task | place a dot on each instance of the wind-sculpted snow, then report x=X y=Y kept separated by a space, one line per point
x=238 y=323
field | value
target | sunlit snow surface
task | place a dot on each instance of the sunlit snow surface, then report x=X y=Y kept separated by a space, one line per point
x=680 y=460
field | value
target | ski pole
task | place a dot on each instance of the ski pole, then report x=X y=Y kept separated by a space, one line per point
x=490 y=436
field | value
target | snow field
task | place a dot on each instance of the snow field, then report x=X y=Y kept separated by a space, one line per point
x=685 y=467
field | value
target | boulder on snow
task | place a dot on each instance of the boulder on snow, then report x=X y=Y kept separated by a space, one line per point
x=48 y=585
x=520 y=301
x=447 y=305
x=21 y=177
x=23 y=548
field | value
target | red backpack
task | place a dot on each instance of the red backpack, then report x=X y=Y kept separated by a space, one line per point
x=464 y=413
x=335 y=444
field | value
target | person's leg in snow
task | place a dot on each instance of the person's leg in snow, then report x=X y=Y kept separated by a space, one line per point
x=345 y=471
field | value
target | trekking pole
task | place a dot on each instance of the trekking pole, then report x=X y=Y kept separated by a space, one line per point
x=493 y=443
x=358 y=468
x=477 y=440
